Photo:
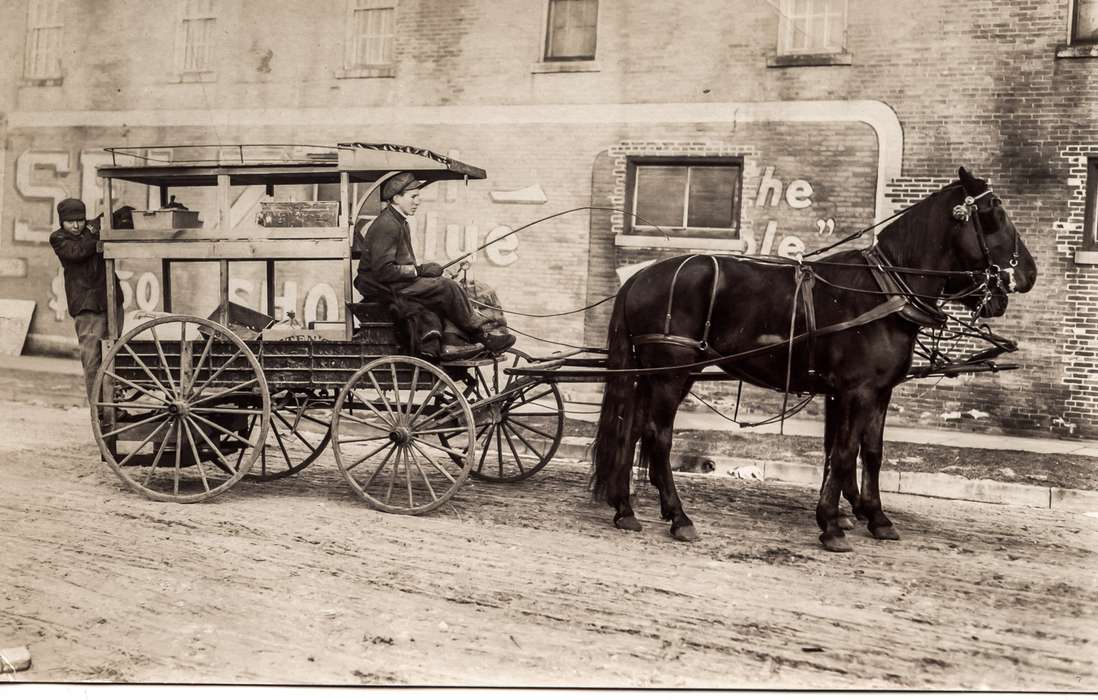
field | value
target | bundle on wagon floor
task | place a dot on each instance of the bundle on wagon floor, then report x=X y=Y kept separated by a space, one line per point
x=187 y=406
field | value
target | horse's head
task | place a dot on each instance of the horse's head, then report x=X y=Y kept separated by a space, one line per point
x=985 y=243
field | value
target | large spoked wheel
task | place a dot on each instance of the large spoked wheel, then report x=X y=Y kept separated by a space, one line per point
x=300 y=431
x=175 y=396
x=402 y=435
x=519 y=430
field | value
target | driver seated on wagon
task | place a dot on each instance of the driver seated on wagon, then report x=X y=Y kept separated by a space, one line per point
x=388 y=262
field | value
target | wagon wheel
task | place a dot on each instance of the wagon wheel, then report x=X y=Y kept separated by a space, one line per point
x=300 y=431
x=402 y=435
x=518 y=433
x=188 y=389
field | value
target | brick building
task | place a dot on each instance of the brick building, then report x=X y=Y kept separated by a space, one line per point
x=772 y=127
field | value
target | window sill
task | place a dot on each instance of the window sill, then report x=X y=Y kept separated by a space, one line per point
x=1077 y=51
x=198 y=76
x=795 y=60
x=565 y=67
x=1086 y=257
x=42 y=82
x=380 y=71
x=632 y=240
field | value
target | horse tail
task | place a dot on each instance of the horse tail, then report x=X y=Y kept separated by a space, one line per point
x=614 y=447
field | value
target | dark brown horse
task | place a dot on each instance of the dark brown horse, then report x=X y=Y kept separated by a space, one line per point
x=853 y=329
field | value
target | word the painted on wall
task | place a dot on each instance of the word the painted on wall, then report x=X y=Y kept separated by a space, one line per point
x=773 y=193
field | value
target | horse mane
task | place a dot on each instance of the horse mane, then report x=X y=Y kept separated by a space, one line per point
x=906 y=236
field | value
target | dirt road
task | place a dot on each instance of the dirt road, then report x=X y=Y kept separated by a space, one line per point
x=296 y=581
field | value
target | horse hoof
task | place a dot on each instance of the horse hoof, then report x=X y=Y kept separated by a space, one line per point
x=845 y=523
x=884 y=532
x=628 y=522
x=686 y=533
x=835 y=543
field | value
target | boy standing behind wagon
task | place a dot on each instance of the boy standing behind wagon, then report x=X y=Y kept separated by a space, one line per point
x=76 y=245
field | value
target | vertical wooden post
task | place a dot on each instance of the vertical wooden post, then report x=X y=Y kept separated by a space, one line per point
x=166 y=277
x=224 y=210
x=271 y=288
x=345 y=203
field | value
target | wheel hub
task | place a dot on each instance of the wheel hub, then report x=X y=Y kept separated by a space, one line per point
x=400 y=436
x=178 y=408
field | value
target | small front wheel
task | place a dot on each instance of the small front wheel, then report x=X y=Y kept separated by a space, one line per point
x=403 y=435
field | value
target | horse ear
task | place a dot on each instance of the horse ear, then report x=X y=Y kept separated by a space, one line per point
x=970 y=183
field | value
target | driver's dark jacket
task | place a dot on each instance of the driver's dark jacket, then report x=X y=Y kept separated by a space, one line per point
x=84 y=269
x=388 y=250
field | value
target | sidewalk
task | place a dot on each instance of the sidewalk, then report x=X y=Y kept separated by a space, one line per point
x=27 y=367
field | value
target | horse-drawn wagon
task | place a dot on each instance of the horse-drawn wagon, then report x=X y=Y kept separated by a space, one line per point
x=187 y=405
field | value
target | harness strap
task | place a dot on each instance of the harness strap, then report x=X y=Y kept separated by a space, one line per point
x=914 y=309
x=806 y=279
x=667 y=337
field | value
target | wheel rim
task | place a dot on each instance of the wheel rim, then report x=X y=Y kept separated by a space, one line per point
x=519 y=433
x=299 y=432
x=181 y=433
x=402 y=435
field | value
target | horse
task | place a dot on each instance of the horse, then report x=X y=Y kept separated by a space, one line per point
x=843 y=326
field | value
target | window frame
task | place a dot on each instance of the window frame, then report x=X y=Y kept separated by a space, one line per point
x=785 y=31
x=1073 y=23
x=351 y=43
x=548 y=38
x=47 y=77
x=187 y=14
x=1090 y=207
x=684 y=232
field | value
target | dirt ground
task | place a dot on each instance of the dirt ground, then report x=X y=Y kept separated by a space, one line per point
x=298 y=582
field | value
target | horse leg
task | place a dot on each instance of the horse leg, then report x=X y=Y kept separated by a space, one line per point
x=844 y=416
x=845 y=522
x=666 y=395
x=619 y=496
x=869 y=504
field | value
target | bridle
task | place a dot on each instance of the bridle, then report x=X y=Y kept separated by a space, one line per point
x=993 y=274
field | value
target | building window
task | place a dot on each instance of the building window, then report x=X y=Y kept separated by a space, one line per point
x=42 y=60
x=812 y=26
x=570 y=33
x=1084 y=22
x=688 y=197
x=371 y=27
x=195 y=40
x=1090 y=216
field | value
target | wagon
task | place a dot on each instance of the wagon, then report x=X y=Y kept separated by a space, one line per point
x=187 y=405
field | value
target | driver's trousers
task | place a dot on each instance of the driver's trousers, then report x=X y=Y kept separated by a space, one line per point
x=442 y=295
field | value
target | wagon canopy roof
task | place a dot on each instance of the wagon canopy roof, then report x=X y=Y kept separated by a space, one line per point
x=288 y=164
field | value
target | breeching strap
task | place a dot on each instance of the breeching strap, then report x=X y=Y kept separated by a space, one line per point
x=666 y=337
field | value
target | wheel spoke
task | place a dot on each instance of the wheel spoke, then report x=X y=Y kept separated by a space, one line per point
x=525 y=442
x=448 y=408
x=163 y=359
x=178 y=456
x=233 y=411
x=392 y=478
x=220 y=394
x=447 y=450
x=532 y=429
x=144 y=442
x=381 y=394
x=216 y=374
x=198 y=366
x=484 y=450
x=224 y=430
x=154 y=463
x=511 y=444
x=144 y=367
x=344 y=441
x=368 y=456
x=430 y=395
x=206 y=438
x=293 y=430
x=423 y=474
x=411 y=389
x=407 y=474
x=499 y=451
x=434 y=463
x=347 y=416
x=391 y=420
x=143 y=390
x=131 y=426
x=281 y=446
x=194 y=451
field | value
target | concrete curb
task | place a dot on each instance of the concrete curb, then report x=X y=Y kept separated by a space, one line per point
x=911 y=483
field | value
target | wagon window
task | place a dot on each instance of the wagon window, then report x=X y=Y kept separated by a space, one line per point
x=686 y=196
x=571 y=31
x=42 y=59
x=812 y=26
x=372 y=32
x=194 y=46
x=1084 y=26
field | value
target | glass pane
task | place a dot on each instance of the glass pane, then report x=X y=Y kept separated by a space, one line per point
x=660 y=194
x=712 y=196
x=1086 y=20
x=572 y=28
